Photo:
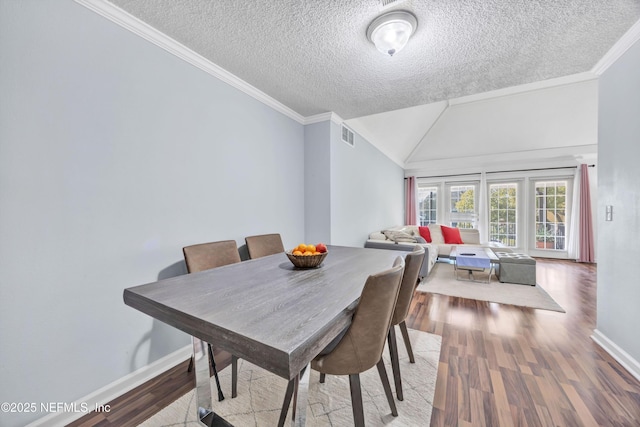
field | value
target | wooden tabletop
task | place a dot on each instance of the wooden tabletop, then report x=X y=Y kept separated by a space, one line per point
x=266 y=311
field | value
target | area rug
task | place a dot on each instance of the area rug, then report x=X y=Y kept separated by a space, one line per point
x=441 y=280
x=260 y=394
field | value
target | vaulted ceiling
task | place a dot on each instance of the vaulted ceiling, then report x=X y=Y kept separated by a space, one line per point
x=314 y=57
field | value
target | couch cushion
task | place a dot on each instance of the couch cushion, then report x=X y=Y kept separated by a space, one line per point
x=436 y=233
x=425 y=233
x=451 y=235
x=470 y=235
x=399 y=236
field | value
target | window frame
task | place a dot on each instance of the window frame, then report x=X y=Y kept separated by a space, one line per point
x=531 y=208
x=519 y=218
x=462 y=217
x=438 y=192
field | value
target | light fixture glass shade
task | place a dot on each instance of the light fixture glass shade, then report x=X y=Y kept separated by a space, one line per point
x=390 y=32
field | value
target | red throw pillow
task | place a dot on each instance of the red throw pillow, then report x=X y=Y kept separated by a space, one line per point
x=425 y=233
x=451 y=235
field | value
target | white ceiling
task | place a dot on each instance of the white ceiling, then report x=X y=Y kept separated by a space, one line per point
x=314 y=57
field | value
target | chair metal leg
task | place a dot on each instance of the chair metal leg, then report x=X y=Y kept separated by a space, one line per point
x=356 y=400
x=407 y=341
x=322 y=378
x=234 y=376
x=387 y=387
x=395 y=364
x=215 y=373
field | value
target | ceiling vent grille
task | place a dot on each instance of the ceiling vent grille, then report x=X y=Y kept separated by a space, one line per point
x=385 y=4
x=347 y=135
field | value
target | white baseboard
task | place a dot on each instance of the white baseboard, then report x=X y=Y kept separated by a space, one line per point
x=116 y=389
x=627 y=362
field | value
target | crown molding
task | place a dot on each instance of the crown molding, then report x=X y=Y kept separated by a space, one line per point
x=626 y=41
x=147 y=32
x=323 y=117
x=528 y=87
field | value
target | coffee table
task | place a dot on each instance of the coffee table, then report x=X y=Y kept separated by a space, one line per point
x=470 y=259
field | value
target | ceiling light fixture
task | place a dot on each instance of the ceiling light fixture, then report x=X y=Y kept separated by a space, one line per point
x=390 y=32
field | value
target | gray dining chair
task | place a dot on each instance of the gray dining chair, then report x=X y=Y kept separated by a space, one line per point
x=413 y=264
x=264 y=245
x=360 y=347
x=205 y=256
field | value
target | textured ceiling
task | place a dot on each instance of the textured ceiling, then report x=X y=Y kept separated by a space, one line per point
x=314 y=57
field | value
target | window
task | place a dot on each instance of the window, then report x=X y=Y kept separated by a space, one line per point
x=463 y=206
x=427 y=204
x=502 y=213
x=551 y=214
x=528 y=212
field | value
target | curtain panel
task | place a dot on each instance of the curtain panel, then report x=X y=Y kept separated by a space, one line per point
x=410 y=201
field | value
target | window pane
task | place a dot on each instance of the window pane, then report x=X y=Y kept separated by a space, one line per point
x=551 y=215
x=502 y=213
x=427 y=204
x=463 y=212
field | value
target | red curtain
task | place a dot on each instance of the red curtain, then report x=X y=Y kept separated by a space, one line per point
x=410 y=200
x=587 y=252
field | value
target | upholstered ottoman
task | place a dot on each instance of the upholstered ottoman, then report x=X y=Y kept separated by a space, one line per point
x=516 y=268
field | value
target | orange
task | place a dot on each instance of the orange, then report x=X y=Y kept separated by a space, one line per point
x=311 y=248
x=302 y=247
x=307 y=253
x=297 y=252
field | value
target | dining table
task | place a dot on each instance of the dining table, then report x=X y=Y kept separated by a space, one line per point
x=265 y=311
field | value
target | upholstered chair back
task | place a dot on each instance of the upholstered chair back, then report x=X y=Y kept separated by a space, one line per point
x=413 y=264
x=264 y=245
x=205 y=256
x=361 y=347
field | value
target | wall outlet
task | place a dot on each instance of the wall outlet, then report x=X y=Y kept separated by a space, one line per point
x=609 y=213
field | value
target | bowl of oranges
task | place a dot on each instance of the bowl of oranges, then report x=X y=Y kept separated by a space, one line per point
x=307 y=256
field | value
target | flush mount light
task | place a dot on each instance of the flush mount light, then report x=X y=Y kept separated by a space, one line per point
x=390 y=32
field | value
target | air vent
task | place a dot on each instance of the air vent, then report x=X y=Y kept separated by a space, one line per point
x=347 y=135
x=385 y=4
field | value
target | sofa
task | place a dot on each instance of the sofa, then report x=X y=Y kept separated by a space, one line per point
x=405 y=237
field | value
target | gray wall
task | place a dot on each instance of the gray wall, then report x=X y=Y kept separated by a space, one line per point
x=349 y=191
x=618 y=177
x=367 y=190
x=115 y=154
x=317 y=182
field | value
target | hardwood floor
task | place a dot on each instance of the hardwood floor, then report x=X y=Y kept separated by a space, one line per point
x=499 y=365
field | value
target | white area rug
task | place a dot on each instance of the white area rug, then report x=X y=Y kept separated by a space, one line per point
x=260 y=394
x=442 y=281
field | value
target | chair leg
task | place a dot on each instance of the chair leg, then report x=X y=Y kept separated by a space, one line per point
x=387 y=387
x=356 y=400
x=215 y=373
x=234 y=376
x=190 y=368
x=322 y=378
x=395 y=364
x=407 y=341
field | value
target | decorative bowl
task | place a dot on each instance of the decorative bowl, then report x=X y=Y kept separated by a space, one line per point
x=306 y=261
